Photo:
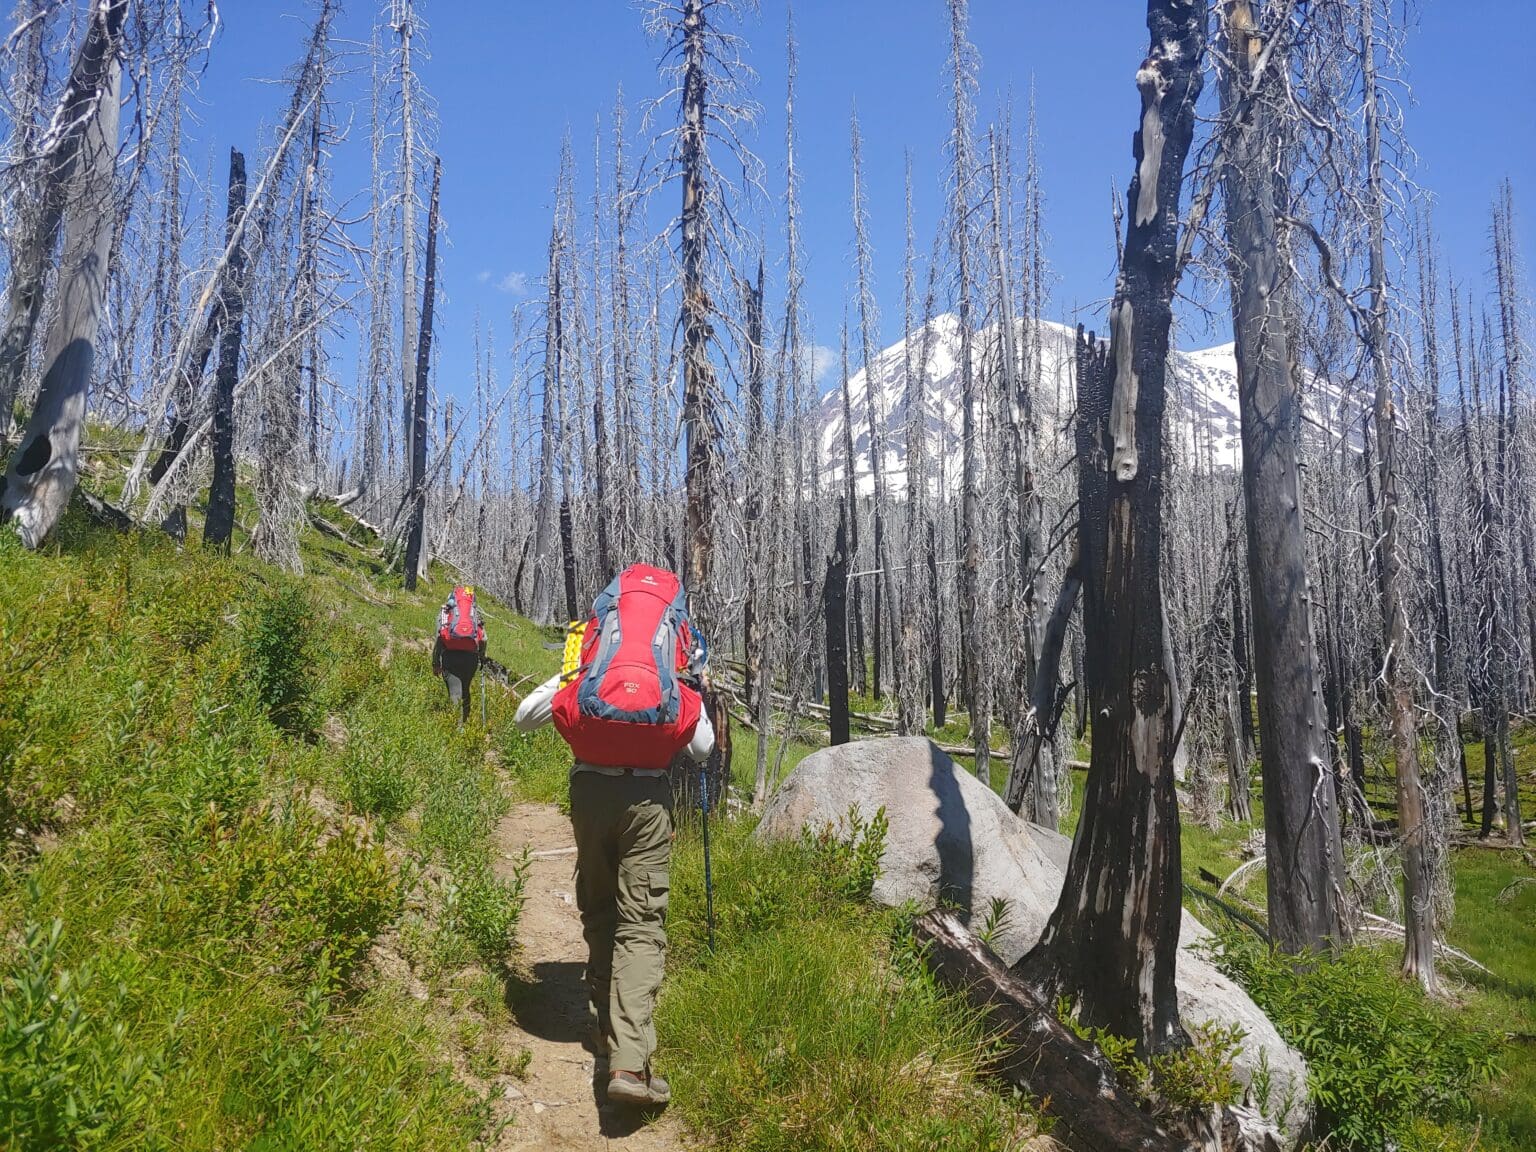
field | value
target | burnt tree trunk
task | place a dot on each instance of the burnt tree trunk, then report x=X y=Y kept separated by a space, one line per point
x=414 y=535
x=936 y=655
x=751 y=624
x=1111 y=944
x=219 y=521
x=568 y=558
x=835 y=605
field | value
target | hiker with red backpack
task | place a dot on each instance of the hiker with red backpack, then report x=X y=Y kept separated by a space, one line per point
x=627 y=701
x=460 y=646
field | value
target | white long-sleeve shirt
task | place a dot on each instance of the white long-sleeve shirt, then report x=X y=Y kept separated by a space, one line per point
x=536 y=711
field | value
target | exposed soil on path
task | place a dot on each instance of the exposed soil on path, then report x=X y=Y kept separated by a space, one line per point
x=559 y=1104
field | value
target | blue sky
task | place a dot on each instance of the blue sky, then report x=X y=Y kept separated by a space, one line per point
x=512 y=76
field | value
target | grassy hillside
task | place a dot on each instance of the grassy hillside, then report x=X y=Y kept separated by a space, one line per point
x=241 y=832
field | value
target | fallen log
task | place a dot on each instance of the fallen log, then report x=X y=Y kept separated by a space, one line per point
x=1041 y=1056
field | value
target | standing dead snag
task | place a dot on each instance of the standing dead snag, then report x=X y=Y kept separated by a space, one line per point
x=418 y=491
x=1111 y=944
x=1026 y=781
x=42 y=472
x=1412 y=812
x=61 y=146
x=835 y=602
x=973 y=623
x=700 y=420
x=219 y=523
x=707 y=72
x=1301 y=820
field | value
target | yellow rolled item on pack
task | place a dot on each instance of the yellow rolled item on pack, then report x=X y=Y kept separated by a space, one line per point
x=570 y=662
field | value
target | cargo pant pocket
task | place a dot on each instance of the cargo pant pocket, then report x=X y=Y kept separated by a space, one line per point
x=656 y=888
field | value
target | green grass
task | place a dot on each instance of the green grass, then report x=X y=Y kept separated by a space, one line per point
x=744 y=758
x=812 y=1025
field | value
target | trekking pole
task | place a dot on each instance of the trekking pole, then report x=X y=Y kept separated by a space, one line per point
x=709 y=889
x=483 y=722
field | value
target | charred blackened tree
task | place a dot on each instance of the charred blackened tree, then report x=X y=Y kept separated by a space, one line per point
x=835 y=601
x=1305 y=854
x=1111 y=944
x=219 y=523
x=701 y=421
x=418 y=490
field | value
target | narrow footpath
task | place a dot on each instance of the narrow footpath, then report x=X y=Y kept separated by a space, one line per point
x=558 y=1104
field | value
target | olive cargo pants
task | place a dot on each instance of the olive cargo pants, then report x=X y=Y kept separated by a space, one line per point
x=623 y=827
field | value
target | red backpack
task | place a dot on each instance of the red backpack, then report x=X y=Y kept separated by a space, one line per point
x=627 y=706
x=461 y=630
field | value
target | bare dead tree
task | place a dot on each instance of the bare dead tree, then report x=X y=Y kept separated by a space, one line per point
x=1302 y=842
x=58 y=152
x=219 y=521
x=973 y=622
x=418 y=493
x=42 y=472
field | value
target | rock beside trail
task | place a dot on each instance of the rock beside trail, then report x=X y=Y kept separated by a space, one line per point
x=951 y=838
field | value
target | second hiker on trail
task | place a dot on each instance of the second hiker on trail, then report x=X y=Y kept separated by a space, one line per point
x=460 y=646
x=627 y=701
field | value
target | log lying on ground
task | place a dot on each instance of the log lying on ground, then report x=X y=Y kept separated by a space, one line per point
x=1043 y=1058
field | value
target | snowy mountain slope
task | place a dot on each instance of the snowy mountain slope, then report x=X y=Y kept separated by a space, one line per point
x=1202 y=407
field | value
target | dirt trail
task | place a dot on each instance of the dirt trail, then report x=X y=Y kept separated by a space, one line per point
x=558 y=1107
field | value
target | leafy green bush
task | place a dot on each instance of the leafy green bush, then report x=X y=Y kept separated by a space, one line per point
x=1188 y=1079
x=68 y=1076
x=377 y=782
x=847 y=854
x=486 y=910
x=1201 y=1075
x=1381 y=1057
x=278 y=875
x=279 y=654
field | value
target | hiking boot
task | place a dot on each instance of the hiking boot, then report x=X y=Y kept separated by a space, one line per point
x=628 y=1088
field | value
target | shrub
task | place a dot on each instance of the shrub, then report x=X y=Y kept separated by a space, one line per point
x=277 y=877
x=279 y=654
x=68 y=1076
x=1381 y=1057
x=847 y=854
x=487 y=908
x=377 y=782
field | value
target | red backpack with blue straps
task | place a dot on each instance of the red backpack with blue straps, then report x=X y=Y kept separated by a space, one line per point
x=459 y=626
x=628 y=705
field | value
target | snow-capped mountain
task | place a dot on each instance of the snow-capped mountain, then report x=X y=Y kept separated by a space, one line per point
x=1202 y=403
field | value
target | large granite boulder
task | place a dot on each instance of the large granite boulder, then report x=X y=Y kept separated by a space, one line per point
x=952 y=839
